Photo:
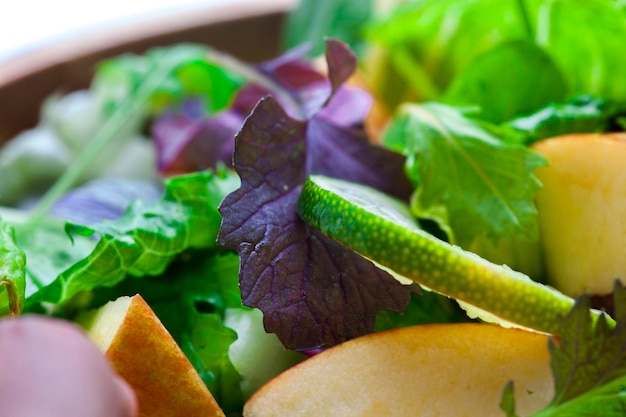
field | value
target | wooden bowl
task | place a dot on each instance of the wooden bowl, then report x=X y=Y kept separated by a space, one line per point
x=248 y=29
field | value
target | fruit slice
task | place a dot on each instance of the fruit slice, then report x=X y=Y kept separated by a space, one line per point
x=144 y=353
x=582 y=207
x=429 y=370
x=381 y=229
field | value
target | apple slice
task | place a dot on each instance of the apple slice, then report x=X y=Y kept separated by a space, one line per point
x=428 y=370
x=144 y=353
x=582 y=211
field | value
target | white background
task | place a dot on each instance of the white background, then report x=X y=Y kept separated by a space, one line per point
x=26 y=25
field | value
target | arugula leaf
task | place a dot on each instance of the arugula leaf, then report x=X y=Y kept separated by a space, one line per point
x=581 y=114
x=312 y=22
x=512 y=78
x=12 y=274
x=467 y=179
x=587 y=356
x=588 y=361
x=201 y=193
x=142 y=242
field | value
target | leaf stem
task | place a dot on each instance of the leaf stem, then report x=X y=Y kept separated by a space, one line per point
x=228 y=62
x=12 y=294
x=12 y=270
x=414 y=74
x=523 y=11
x=133 y=107
x=128 y=110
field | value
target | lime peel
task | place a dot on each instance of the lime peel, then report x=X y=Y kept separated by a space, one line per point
x=367 y=221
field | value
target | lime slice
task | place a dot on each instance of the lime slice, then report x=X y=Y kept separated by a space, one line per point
x=383 y=230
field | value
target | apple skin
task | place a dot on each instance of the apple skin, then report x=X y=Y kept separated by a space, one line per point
x=144 y=353
x=582 y=211
x=427 y=370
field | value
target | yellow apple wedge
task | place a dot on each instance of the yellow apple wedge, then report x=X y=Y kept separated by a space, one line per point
x=455 y=370
x=144 y=353
x=582 y=211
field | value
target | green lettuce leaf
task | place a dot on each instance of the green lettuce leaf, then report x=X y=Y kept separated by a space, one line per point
x=312 y=22
x=425 y=307
x=49 y=252
x=592 y=64
x=12 y=273
x=142 y=242
x=588 y=363
x=190 y=73
x=512 y=78
x=196 y=299
x=426 y=44
x=206 y=342
x=199 y=302
x=581 y=114
x=468 y=180
x=191 y=299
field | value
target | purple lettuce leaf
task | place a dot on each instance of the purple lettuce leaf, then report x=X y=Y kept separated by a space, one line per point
x=346 y=153
x=307 y=90
x=347 y=107
x=187 y=144
x=104 y=199
x=304 y=88
x=188 y=139
x=341 y=64
x=313 y=291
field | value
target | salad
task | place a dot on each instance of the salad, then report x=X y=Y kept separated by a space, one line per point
x=182 y=174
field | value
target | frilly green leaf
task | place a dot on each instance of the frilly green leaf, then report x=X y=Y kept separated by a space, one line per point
x=146 y=239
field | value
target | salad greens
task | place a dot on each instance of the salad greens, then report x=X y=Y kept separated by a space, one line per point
x=583 y=114
x=588 y=363
x=122 y=114
x=198 y=300
x=311 y=22
x=587 y=347
x=12 y=280
x=204 y=159
x=457 y=182
x=143 y=241
x=428 y=46
x=276 y=153
x=382 y=229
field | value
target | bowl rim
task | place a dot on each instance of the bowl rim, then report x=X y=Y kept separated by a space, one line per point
x=248 y=29
x=133 y=30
